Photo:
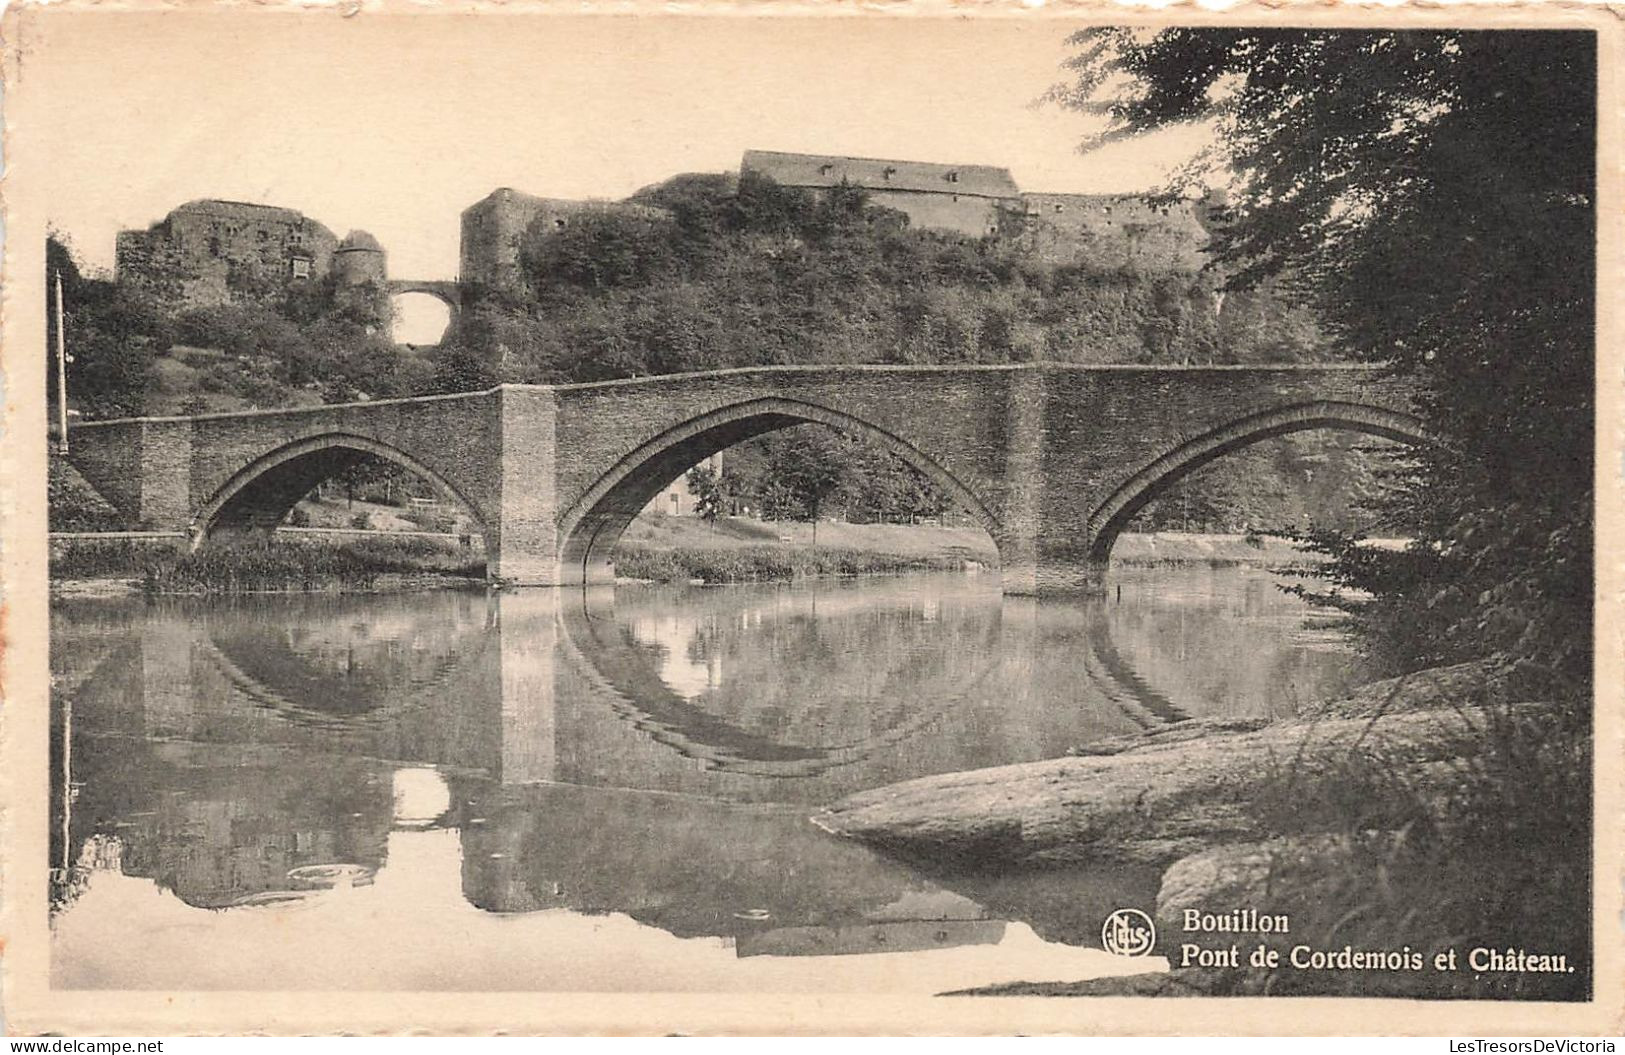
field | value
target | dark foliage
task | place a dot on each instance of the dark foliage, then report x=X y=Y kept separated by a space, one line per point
x=113 y=335
x=1433 y=192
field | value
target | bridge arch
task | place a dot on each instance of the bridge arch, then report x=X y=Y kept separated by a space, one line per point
x=448 y=294
x=261 y=494
x=1112 y=515
x=594 y=523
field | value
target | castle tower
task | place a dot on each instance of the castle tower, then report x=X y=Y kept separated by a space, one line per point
x=491 y=232
x=494 y=230
x=359 y=259
x=361 y=277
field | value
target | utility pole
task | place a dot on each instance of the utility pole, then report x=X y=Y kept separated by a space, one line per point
x=61 y=373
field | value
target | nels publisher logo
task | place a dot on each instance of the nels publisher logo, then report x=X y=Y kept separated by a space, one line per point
x=1128 y=932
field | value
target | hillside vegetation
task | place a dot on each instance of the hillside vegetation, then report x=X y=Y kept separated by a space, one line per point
x=744 y=272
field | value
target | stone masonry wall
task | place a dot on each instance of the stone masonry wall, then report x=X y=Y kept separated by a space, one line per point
x=1104 y=425
x=166 y=471
x=1039 y=448
x=1111 y=232
x=457 y=437
x=494 y=229
x=965 y=214
x=109 y=458
x=203 y=252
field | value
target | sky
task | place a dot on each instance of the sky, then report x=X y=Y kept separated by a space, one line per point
x=395 y=124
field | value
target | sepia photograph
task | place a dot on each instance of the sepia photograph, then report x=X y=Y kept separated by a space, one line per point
x=547 y=514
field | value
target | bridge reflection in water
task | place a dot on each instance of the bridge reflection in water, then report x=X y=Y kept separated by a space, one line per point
x=655 y=756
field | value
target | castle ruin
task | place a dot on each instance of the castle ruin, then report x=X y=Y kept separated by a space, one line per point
x=212 y=252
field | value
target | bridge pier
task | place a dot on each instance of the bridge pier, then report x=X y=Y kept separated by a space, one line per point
x=1032 y=564
x=528 y=569
x=521 y=533
x=518 y=568
x=1054 y=578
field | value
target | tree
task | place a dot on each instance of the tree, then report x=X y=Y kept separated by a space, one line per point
x=1433 y=193
x=705 y=484
x=113 y=335
x=804 y=469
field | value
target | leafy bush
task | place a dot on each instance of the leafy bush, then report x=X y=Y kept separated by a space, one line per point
x=1498 y=858
x=105 y=558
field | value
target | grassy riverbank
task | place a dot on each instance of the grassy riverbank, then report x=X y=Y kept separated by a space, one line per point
x=656 y=531
x=660 y=548
x=678 y=549
x=655 y=548
x=659 y=532
x=267 y=565
x=767 y=564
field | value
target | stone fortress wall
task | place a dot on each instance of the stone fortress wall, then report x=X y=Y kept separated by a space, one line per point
x=494 y=227
x=1106 y=230
x=1113 y=232
x=212 y=252
x=209 y=252
x=966 y=199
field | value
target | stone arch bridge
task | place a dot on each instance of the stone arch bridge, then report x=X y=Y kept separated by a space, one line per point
x=447 y=293
x=1053 y=460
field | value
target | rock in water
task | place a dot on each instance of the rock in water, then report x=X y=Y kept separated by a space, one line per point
x=1151 y=799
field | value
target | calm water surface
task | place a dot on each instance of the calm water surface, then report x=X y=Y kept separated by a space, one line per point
x=550 y=789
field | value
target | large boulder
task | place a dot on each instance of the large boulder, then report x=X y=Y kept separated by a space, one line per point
x=1151 y=799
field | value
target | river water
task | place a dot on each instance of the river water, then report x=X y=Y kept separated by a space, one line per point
x=607 y=790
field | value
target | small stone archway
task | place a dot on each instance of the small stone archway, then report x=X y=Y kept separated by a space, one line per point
x=447 y=293
x=593 y=524
x=261 y=494
x=1112 y=515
